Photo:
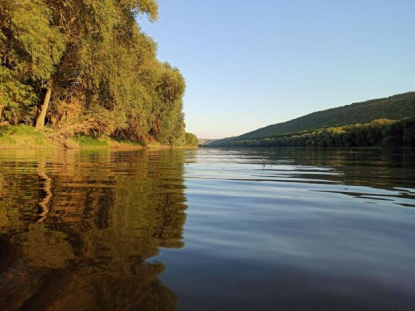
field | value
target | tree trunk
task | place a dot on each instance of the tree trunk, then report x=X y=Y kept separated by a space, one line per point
x=40 y=122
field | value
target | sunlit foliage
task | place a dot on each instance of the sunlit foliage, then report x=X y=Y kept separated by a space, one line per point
x=191 y=140
x=381 y=132
x=395 y=107
x=97 y=66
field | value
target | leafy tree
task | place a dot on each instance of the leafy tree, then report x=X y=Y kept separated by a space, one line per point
x=30 y=47
x=191 y=139
x=86 y=67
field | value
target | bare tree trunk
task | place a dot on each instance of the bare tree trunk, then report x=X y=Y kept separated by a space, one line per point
x=40 y=122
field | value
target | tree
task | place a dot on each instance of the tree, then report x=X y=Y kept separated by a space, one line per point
x=191 y=139
x=30 y=48
x=87 y=68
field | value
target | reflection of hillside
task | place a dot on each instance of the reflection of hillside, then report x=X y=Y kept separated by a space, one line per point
x=107 y=214
x=383 y=169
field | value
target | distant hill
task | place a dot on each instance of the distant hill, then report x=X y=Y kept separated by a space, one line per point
x=395 y=108
x=206 y=141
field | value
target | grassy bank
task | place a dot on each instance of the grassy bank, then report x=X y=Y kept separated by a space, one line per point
x=27 y=137
x=87 y=142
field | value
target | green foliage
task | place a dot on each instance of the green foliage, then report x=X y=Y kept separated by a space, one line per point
x=23 y=136
x=191 y=140
x=30 y=44
x=15 y=97
x=395 y=107
x=382 y=132
x=101 y=67
x=30 y=48
x=90 y=142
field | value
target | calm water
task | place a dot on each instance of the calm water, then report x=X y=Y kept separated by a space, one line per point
x=207 y=230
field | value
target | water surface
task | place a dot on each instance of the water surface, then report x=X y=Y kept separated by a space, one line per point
x=209 y=229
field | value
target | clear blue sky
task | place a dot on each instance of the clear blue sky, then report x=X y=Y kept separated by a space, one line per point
x=248 y=64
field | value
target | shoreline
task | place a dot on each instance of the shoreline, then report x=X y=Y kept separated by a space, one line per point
x=111 y=148
x=27 y=138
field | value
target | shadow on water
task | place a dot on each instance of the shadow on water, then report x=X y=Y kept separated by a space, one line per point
x=77 y=229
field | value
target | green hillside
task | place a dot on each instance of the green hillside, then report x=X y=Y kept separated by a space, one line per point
x=394 y=108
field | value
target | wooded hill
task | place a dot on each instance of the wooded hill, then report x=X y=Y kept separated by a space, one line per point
x=395 y=107
x=84 y=67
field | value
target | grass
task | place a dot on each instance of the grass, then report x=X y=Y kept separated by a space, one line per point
x=87 y=142
x=126 y=144
x=27 y=137
x=24 y=137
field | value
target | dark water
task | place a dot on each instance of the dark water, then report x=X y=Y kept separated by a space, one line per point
x=207 y=230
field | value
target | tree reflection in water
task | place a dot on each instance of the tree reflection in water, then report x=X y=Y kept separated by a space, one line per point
x=78 y=228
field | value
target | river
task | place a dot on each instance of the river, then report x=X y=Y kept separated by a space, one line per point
x=207 y=229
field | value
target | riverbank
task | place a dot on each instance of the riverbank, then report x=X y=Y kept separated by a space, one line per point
x=27 y=137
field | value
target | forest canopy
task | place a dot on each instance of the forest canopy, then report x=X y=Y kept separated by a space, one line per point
x=85 y=67
x=380 y=132
x=395 y=107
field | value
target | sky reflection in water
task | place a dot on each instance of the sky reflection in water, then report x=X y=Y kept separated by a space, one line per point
x=208 y=229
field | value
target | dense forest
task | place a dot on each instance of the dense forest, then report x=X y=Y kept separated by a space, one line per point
x=381 y=132
x=395 y=108
x=84 y=67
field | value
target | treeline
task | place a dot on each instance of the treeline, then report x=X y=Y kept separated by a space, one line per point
x=381 y=132
x=395 y=107
x=85 y=67
x=191 y=140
